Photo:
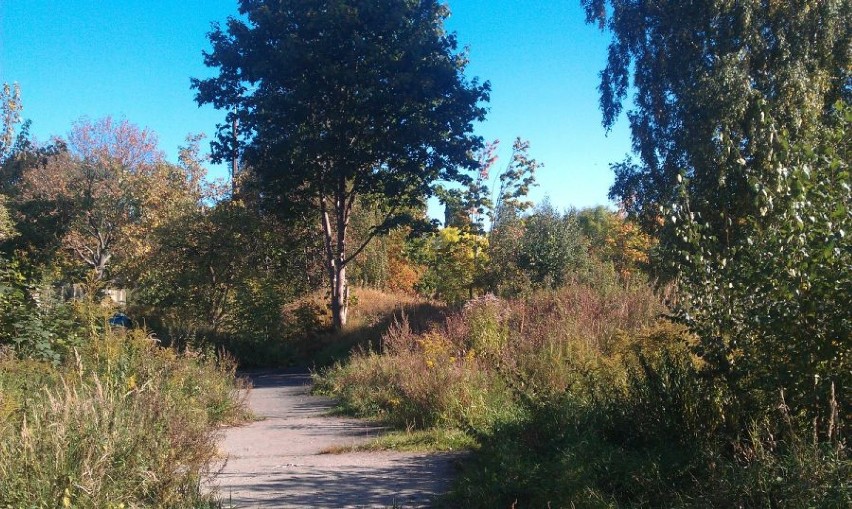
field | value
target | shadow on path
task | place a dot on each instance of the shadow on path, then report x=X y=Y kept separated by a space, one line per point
x=269 y=378
x=277 y=462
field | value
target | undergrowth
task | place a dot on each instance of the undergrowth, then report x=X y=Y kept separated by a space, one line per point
x=120 y=422
x=586 y=397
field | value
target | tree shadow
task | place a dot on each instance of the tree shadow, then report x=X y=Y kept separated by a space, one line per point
x=407 y=482
x=277 y=378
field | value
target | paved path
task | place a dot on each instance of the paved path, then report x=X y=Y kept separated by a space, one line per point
x=277 y=462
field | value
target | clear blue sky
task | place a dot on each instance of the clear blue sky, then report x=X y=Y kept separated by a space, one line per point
x=134 y=58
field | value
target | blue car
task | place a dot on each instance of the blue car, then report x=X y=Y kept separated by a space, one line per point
x=121 y=320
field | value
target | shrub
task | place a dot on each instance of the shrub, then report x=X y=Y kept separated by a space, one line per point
x=414 y=391
x=662 y=439
x=45 y=332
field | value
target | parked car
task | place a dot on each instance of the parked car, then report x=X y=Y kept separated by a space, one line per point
x=121 y=320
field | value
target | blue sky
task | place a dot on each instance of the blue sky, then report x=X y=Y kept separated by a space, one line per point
x=134 y=59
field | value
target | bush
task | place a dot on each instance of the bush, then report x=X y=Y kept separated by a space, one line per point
x=410 y=391
x=769 y=301
x=662 y=439
x=45 y=332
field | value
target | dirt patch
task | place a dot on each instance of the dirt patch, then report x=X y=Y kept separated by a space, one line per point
x=278 y=461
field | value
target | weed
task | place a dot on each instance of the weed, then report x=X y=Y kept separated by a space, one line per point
x=582 y=397
x=123 y=423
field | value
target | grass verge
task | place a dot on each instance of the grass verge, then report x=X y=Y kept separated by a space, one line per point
x=430 y=440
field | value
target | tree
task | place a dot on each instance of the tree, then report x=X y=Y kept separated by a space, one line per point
x=340 y=100
x=92 y=177
x=551 y=247
x=508 y=224
x=613 y=237
x=742 y=138
x=708 y=76
x=515 y=183
x=384 y=263
x=10 y=106
x=10 y=117
x=455 y=259
x=220 y=270
x=103 y=191
x=772 y=309
x=467 y=208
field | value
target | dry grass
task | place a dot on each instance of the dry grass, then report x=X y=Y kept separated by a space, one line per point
x=371 y=313
x=467 y=370
x=124 y=423
x=582 y=396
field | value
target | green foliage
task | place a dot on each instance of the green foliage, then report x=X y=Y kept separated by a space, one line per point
x=707 y=76
x=431 y=440
x=103 y=175
x=504 y=277
x=221 y=275
x=45 y=332
x=547 y=249
x=471 y=371
x=384 y=263
x=488 y=330
x=741 y=124
x=580 y=397
x=455 y=261
x=613 y=238
x=551 y=248
x=7 y=226
x=515 y=182
x=655 y=437
x=92 y=200
x=770 y=308
x=409 y=391
x=10 y=117
x=316 y=123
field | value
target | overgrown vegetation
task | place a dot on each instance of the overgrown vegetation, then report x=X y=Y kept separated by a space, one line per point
x=583 y=396
x=94 y=415
x=739 y=396
x=691 y=349
x=115 y=421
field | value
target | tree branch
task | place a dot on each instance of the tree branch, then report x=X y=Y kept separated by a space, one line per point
x=373 y=232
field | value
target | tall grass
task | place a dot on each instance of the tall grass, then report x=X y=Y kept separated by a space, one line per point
x=122 y=423
x=584 y=397
x=476 y=367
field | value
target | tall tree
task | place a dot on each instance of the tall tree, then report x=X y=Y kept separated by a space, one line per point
x=551 y=247
x=94 y=178
x=344 y=99
x=10 y=107
x=507 y=224
x=10 y=116
x=742 y=135
x=515 y=183
x=717 y=82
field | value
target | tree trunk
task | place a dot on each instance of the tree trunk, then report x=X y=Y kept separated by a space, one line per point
x=335 y=250
x=340 y=299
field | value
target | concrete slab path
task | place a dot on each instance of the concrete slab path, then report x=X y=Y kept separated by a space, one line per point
x=277 y=462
